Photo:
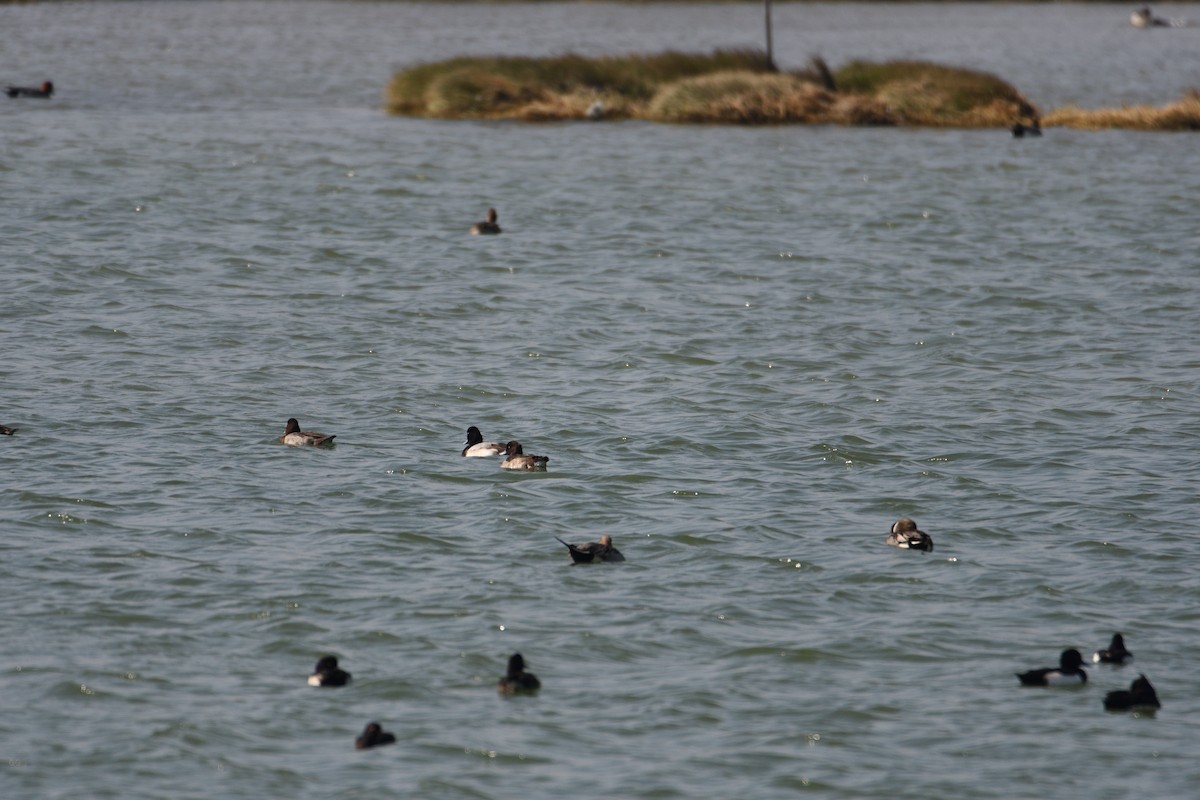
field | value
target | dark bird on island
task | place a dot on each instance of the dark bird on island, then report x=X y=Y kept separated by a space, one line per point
x=517 y=680
x=602 y=550
x=1069 y=672
x=476 y=447
x=373 y=736
x=1020 y=129
x=905 y=535
x=488 y=226
x=294 y=437
x=1140 y=695
x=328 y=673
x=7 y=431
x=516 y=458
x=44 y=91
x=1115 y=654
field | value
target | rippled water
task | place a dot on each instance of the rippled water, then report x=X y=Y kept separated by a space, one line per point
x=746 y=352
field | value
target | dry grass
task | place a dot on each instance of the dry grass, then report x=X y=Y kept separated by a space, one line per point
x=741 y=97
x=920 y=93
x=1182 y=115
x=725 y=87
x=490 y=87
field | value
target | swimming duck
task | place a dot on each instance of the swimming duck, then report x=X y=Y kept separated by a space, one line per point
x=1020 y=129
x=905 y=535
x=1115 y=654
x=587 y=553
x=516 y=458
x=294 y=437
x=517 y=679
x=1144 y=18
x=44 y=91
x=328 y=674
x=7 y=431
x=488 y=226
x=372 y=736
x=1069 y=673
x=1140 y=695
x=478 y=448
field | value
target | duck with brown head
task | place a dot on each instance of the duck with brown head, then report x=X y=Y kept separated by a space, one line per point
x=516 y=459
x=44 y=91
x=905 y=535
x=488 y=226
x=601 y=550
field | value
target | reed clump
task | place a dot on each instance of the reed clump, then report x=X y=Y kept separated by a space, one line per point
x=728 y=86
x=534 y=88
x=922 y=93
x=1182 y=115
x=741 y=97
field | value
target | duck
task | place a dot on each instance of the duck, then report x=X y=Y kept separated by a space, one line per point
x=1115 y=654
x=516 y=459
x=7 y=431
x=488 y=226
x=44 y=91
x=1069 y=673
x=478 y=448
x=294 y=437
x=517 y=679
x=1144 y=18
x=595 y=110
x=906 y=536
x=328 y=673
x=372 y=736
x=587 y=553
x=1020 y=129
x=1140 y=695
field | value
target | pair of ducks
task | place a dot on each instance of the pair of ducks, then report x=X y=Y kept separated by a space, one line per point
x=44 y=91
x=1070 y=672
x=516 y=680
x=515 y=456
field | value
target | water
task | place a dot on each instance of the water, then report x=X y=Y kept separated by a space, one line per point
x=746 y=352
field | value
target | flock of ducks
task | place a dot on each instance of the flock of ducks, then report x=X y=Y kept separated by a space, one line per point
x=1070 y=672
x=1141 y=696
x=516 y=680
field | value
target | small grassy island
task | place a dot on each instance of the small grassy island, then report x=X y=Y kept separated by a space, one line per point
x=739 y=86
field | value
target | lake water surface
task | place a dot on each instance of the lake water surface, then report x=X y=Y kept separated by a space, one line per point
x=746 y=352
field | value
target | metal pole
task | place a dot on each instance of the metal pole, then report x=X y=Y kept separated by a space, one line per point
x=770 y=46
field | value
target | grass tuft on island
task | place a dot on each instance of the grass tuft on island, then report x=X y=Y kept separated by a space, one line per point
x=1182 y=115
x=728 y=86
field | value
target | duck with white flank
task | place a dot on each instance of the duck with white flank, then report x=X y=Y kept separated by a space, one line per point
x=1115 y=654
x=516 y=459
x=602 y=550
x=328 y=673
x=906 y=536
x=1069 y=673
x=294 y=437
x=476 y=447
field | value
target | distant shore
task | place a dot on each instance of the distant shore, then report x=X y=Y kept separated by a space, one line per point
x=743 y=87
